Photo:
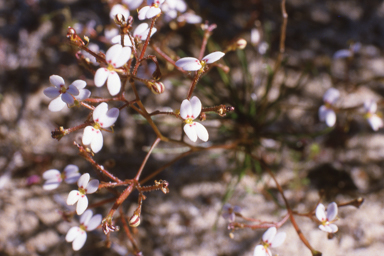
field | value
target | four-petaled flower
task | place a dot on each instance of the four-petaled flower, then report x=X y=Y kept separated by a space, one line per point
x=327 y=219
x=326 y=112
x=229 y=212
x=373 y=119
x=151 y=10
x=141 y=31
x=103 y=118
x=193 y=64
x=116 y=57
x=53 y=177
x=119 y=9
x=78 y=235
x=270 y=239
x=189 y=111
x=79 y=196
x=65 y=95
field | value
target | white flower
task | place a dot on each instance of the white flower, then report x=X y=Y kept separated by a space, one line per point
x=172 y=7
x=229 y=212
x=193 y=64
x=190 y=18
x=141 y=31
x=116 y=57
x=151 y=10
x=117 y=40
x=103 y=118
x=347 y=53
x=132 y=4
x=373 y=119
x=78 y=235
x=189 y=111
x=119 y=9
x=79 y=196
x=110 y=32
x=270 y=239
x=65 y=95
x=327 y=219
x=53 y=177
x=326 y=112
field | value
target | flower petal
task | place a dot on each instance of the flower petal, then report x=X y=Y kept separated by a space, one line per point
x=143 y=13
x=56 y=104
x=79 y=84
x=56 y=80
x=320 y=212
x=260 y=251
x=97 y=142
x=133 y=4
x=141 y=30
x=331 y=211
x=94 y=222
x=101 y=76
x=322 y=112
x=85 y=217
x=330 y=118
x=188 y=64
x=93 y=186
x=117 y=40
x=73 y=90
x=331 y=96
x=333 y=228
x=325 y=228
x=375 y=122
x=152 y=12
x=72 y=233
x=82 y=204
x=189 y=129
x=51 y=184
x=52 y=92
x=119 y=9
x=114 y=84
x=113 y=53
x=79 y=241
x=344 y=53
x=100 y=111
x=51 y=174
x=73 y=197
x=279 y=239
x=269 y=235
x=186 y=109
x=109 y=118
x=122 y=58
x=83 y=180
x=213 y=57
x=83 y=94
x=67 y=98
x=196 y=107
x=72 y=178
x=201 y=131
x=88 y=134
x=71 y=168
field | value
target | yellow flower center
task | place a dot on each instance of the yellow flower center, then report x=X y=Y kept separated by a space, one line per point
x=203 y=64
x=97 y=126
x=82 y=227
x=110 y=67
x=189 y=121
x=82 y=191
x=63 y=89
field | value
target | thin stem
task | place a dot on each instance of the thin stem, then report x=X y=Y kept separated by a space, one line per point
x=128 y=233
x=146 y=159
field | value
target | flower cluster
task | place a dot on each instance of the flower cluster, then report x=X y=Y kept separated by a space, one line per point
x=326 y=111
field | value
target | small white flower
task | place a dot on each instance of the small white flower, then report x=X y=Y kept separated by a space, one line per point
x=117 y=40
x=347 y=53
x=103 y=118
x=190 y=18
x=270 y=239
x=151 y=10
x=193 y=64
x=119 y=9
x=132 y=4
x=373 y=119
x=78 y=235
x=110 y=32
x=116 y=57
x=189 y=111
x=172 y=7
x=229 y=212
x=327 y=219
x=79 y=196
x=63 y=95
x=326 y=112
x=53 y=177
x=255 y=36
x=141 y=31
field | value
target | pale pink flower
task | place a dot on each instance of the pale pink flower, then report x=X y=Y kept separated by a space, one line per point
x=53 y=177
x=229 y=212
x=79 y=196
x=326 y=112
x=116 y=57
x=373 y=119
x=189 y=111
x=193 y=64
x=103 y=118
x=151 y=10
x=141 y=32
x=328 y=218
x=78 y=235
x=270 y=239
x=65 y=95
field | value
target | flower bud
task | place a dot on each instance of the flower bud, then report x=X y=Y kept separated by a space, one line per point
x=134 y=221
x=156 y=87
x=241 y=44
x=119 y=19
